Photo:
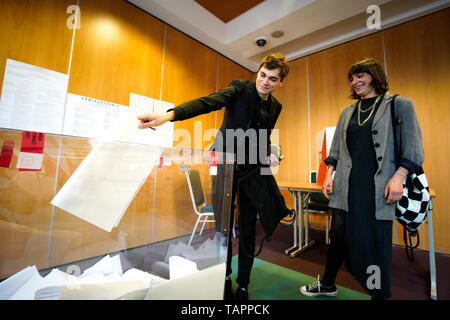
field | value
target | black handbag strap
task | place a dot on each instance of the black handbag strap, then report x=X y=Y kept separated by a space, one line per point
x=409 y=247
x=407 y=234
x=395 y=123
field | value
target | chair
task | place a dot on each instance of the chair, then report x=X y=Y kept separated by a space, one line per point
x=198 y=199
x=317 y=203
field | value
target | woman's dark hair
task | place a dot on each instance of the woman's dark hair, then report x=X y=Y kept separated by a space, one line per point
x=372 y=67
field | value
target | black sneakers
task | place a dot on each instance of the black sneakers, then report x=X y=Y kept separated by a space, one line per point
x=318 y=289
x=228 y=294
x=241 y=294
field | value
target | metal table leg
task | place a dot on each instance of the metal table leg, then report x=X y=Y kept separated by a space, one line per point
x=296 y=243
x=304 y=228
x=431 y=252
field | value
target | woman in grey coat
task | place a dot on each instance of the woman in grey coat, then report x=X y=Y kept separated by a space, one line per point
x=367 y=182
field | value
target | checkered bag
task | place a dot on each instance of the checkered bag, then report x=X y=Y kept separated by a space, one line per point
x=412 y=208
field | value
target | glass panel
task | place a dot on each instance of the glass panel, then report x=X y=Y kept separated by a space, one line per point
x=157 y=223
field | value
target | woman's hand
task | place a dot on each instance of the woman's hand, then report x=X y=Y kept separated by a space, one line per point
x=150 y=120
x=327 y=186
x=393 y=191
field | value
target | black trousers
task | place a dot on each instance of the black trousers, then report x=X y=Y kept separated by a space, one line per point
x=247 y=226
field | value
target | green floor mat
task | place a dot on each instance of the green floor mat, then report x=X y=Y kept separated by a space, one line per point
x=272 y=282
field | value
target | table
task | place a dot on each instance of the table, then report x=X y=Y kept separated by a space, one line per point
x=301 y=191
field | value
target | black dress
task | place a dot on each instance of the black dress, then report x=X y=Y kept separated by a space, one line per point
x=369 y=240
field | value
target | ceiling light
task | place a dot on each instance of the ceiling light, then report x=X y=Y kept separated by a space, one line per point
x=277 y=34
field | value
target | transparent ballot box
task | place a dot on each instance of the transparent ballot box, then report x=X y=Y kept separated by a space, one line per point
x=89 y=219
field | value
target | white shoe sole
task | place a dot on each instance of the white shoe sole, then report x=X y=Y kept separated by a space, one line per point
x=312 y=294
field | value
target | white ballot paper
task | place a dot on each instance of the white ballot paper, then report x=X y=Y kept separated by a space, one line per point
x=102 y=187
x=32 y=98
x=162 y=135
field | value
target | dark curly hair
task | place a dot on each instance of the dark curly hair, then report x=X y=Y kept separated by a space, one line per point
x=372 y=67
x=273 y=61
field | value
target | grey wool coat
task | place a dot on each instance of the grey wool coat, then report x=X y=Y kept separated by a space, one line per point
x=411 y=153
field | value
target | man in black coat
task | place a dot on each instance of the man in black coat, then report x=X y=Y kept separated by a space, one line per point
x=250 y=116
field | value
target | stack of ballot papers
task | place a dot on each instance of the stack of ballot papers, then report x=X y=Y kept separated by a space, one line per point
x=207 y=254
x=106 y=280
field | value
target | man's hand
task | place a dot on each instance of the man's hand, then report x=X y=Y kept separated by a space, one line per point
x=274 y=161
x=151 y=120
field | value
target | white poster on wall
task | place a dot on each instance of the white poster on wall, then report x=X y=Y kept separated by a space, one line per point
x=32 y=98
x=90 y=118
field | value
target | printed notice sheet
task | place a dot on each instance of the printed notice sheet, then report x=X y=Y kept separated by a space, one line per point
x=32 y=98
x=90 y=118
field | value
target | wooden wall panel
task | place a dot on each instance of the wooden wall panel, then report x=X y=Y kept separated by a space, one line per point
x=32 y=32
x=189 y=72
x=329 y=86
x=418 y=68
x=292 y=124
x=35 y=32
x=118 y=50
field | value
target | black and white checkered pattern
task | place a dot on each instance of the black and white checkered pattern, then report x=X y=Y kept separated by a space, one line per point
x=412 y=208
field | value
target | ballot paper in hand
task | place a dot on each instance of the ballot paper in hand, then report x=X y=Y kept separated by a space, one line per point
x=102 y=187
x=163 y=134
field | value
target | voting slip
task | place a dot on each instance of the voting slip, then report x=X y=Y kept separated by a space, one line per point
x=103 y=186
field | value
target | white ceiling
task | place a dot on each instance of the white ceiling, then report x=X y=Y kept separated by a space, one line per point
x=309 y=25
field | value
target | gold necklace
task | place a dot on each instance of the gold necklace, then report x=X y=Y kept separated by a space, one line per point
x=372 y=108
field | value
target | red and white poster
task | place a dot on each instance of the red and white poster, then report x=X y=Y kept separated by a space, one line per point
x=31 y=151
x=323 y=144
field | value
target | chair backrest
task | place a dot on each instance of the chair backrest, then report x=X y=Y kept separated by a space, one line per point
x=318 y=197
x=195 y=187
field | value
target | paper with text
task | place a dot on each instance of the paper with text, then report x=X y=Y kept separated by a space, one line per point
x=90 y=118
x=32 y=98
